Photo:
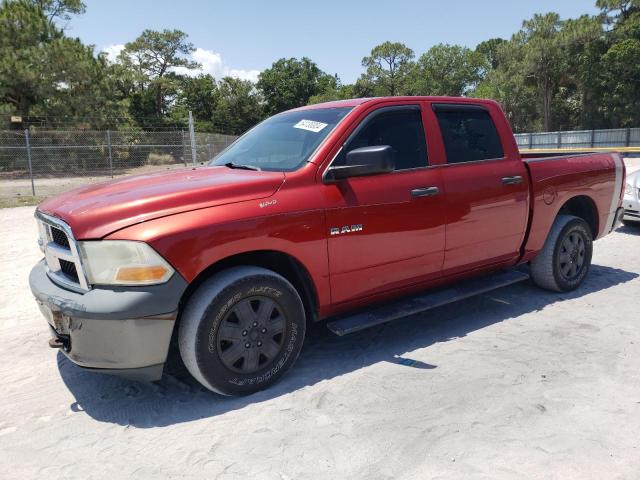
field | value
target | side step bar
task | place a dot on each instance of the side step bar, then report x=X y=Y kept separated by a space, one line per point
x=422 y=302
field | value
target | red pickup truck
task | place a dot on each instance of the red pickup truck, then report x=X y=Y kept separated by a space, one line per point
x=356 y=212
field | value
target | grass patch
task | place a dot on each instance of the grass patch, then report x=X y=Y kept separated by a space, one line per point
x=20 y=201
x=160 y=159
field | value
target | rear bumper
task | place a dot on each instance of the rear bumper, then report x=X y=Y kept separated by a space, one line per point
x=117 y=330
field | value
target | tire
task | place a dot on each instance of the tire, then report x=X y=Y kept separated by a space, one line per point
x=241 y=330
x=564 y=261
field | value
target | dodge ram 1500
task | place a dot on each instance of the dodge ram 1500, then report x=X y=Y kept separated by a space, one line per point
x=355 y=212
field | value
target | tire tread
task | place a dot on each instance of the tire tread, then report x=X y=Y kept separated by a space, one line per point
x=543 y=265
x=197 y=307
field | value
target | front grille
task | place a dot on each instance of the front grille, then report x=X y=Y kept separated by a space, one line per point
x=60 y=238
x=69 y=269
x=62 y=253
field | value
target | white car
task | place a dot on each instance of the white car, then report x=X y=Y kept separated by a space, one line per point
x=631 y=202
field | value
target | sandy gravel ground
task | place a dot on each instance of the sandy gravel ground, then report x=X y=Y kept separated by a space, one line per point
x=518 y=383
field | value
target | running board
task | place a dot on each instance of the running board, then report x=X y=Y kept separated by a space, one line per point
x=425 y=301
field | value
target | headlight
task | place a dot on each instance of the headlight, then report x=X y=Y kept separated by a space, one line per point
x=121 y=262
x=628 y=189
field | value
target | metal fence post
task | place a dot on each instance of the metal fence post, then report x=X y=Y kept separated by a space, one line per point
x=559 y=139
x=628 y=138
x=530 y=141
x=184 y=148
x=593 y=138
x=192 y=134
x=110 y=156
x=26 y=139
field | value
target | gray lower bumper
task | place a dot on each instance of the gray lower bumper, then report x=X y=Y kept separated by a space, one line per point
x=117 y=330
x=631 y=208
x=633 y=215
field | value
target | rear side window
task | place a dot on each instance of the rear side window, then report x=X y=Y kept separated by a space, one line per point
x=468 y=133
x=401 y=129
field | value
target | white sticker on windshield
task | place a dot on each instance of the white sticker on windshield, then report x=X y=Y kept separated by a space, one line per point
x=310 y=125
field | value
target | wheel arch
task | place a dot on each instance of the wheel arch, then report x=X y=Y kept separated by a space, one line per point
x=582 y=206
x=279 y=262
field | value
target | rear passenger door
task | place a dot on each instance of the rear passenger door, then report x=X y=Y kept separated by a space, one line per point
x=486 y=189
x=399 y=219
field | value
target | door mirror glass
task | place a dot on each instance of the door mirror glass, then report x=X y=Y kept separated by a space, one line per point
x=361 y=162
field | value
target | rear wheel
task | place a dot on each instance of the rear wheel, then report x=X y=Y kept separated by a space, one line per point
x=242 y=330
x=564 y=261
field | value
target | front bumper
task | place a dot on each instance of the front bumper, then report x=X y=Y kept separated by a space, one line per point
x=118 y=330
x=631 y=208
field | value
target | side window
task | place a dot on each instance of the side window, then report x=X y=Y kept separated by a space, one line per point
x=468 y=133
x=400 y=129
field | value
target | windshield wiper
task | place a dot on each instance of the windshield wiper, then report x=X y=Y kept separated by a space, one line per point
x=240 y=166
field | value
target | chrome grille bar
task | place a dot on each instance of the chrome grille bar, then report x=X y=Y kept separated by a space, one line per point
x=55 y=252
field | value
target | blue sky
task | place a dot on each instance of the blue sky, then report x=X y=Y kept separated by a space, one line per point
x=243 y=37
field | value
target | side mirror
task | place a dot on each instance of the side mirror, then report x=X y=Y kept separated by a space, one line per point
x=363 y=161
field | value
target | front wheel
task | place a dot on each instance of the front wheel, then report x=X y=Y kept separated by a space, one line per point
x=241 y=330
x=564 y=261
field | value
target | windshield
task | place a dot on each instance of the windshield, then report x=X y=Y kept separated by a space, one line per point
x=283 y=142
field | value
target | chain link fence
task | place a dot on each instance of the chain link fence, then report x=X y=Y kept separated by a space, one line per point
x=580 y=139
x=46 y=162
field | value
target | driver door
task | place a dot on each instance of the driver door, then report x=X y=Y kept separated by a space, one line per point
x=386 y=231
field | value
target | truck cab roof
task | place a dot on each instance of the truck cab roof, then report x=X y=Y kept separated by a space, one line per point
x=354 y=102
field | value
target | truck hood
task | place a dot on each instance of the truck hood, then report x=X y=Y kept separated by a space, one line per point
x=97 y=210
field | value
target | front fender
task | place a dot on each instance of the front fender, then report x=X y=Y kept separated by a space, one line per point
x=193 y=241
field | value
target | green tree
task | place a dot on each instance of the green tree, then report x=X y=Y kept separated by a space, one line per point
x=198 y=95
x=448 y=70
x=579 y=101
x=290 y=83
x=575 y=73
x=621 y=78
x=89 y=91
x=153 y=58
x=618 y=10
x=342 y=92
x=544 y=62
x=43 y=72
x=507 y=84
x=26 y=56
x=389 y=66
x=489 y=49
x=364 y=87
x=239 y=106
x=60 y=9
x=517 y=98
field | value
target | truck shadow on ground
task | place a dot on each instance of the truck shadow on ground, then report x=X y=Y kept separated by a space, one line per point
x=630 y=229
x=178 y=398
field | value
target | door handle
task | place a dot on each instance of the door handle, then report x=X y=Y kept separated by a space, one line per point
x=425 y=192
x=512 y=180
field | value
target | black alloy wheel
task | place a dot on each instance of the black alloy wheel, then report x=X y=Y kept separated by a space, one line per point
x=251 y=336
x=571 y=257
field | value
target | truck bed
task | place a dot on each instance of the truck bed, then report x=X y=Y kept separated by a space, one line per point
x=588 y=180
